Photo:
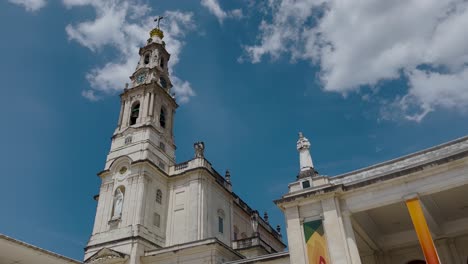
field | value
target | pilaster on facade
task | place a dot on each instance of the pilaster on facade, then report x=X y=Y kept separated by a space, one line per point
x=350 y=238
x=333 y=225
x=297 y=252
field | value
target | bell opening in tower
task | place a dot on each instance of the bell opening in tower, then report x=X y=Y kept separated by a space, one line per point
x=135 y=113
x=162 y=118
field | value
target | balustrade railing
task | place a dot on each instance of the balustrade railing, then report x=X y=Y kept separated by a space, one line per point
x=181 y=166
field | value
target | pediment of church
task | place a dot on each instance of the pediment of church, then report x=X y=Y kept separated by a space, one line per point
x=107 y=256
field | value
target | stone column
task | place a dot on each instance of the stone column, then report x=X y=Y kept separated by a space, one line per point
x=350 y=239
x=141 y=200
x=151 y=106
x=453 y=251
x=125 y=114
x=295 y=239
x=444 y=251
x=122 y=104
x=144 y=107
x=136 y=252
x=332 y=223
x=383 y=258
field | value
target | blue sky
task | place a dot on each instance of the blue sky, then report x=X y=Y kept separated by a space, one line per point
x=375 y=82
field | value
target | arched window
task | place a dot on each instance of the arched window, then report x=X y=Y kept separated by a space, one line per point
x=135 y=112
x=147 y=58
x=162 y=117
x=159 y=196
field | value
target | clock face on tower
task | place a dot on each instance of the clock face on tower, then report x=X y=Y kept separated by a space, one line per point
x=141 y=78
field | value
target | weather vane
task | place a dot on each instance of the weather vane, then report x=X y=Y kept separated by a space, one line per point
x=158 y=19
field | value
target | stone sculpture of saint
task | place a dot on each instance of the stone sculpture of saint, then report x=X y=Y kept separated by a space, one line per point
x=305 y=160
x=199 y=149
x=254 y=222
x=118 y=202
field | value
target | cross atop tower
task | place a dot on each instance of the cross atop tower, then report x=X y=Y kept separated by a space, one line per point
x=158 y=19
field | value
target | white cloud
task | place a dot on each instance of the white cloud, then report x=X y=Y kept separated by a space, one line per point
x=214 y=7
x=30 y=5
x=90 y=95
x=119 y=24
x=362 y=43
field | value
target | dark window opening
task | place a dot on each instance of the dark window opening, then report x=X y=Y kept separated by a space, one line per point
x=220 y=224
x=163 y=82
x=162 y=118
x=162 y=146
x=305 y=184
x=147 y=58
x=134 y=113
x=161 y=63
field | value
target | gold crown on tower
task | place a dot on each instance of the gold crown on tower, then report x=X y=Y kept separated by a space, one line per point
x=157 y=30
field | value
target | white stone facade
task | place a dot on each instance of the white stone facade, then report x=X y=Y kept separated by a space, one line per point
x=364 y=213
x=184 y=213
x=188 y=213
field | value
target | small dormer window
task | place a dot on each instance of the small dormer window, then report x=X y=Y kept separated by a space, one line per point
x=147 y=59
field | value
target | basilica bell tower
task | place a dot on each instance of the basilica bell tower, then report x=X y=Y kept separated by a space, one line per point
x=131 y=214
